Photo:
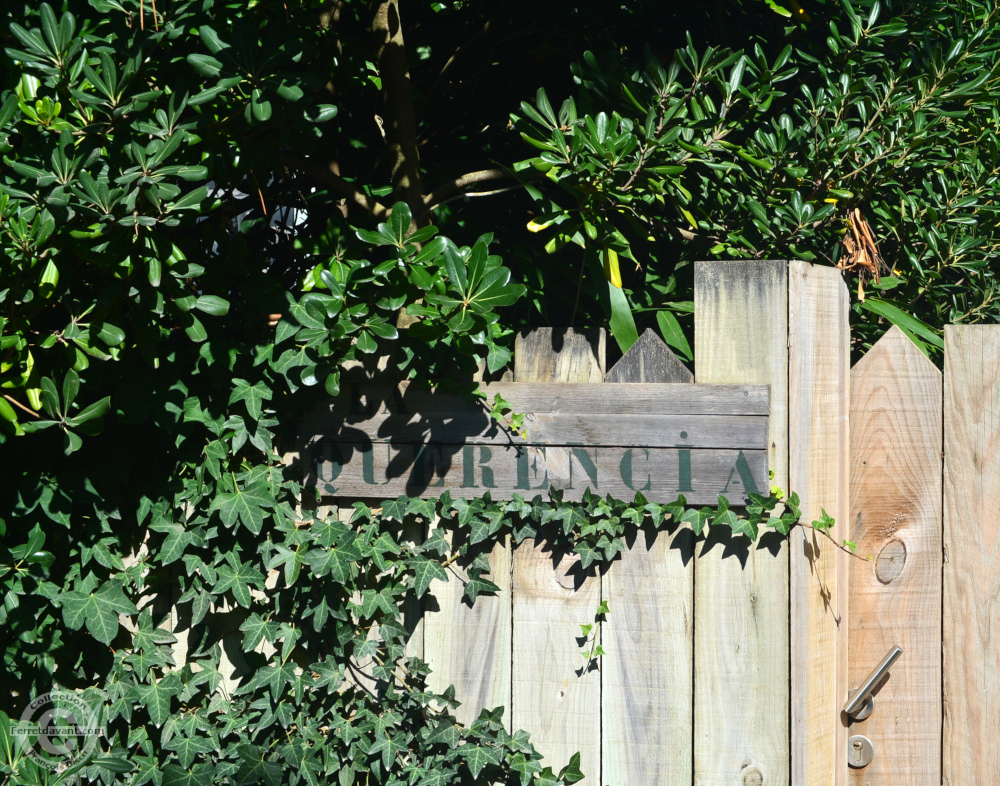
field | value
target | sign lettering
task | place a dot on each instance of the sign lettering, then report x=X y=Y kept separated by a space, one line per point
x=661 y=440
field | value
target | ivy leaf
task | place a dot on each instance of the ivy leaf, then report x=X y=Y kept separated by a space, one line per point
x=422 y=507
x=245 y=505
x=476 y=584
x=237 y=578
x=726 y=517
x=395 y=509
x=437 y=777
x=446 y=733
x=546 y=778
x=825 y=523
x=372 y=601
x=525 y=767
x=188 y=747
x=745 y=527
x=202 y=775
x=571 y=772
x=256 y=769
x=98 y=610
x=178 y=539
x=424 y=572
x=254 y=396
x=587 y=554
x=290 y=560
x=782 y=524
x=156 y=697
x=696 y=518
x=477 y=757
x=255 y=630
x=389 y=747
x=331 y=562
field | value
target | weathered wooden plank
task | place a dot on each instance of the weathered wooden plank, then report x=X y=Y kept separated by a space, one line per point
x=387 y=471
x=649 y=360
x=552 y=597
x=646 y=694
x=359 y=402
x=548 y=354
x=896 y=597
x=468 y=645
x=819 y=362
x=741 y=596
x=971 y=747
x=547 y=428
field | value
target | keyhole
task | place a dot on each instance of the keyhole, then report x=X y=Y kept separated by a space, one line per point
x=857 y=751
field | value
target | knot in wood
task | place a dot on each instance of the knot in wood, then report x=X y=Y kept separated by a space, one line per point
x=752 y=777
x=890 y=561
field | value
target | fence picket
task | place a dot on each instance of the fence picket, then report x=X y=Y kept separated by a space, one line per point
x=646 y=691
x=551 y=598
x=468 y=646
x=971 y=747
x=896 y=518
x=819 y=361
x=741 y=593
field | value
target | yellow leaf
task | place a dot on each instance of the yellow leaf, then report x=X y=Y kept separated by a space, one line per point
x=611 y=269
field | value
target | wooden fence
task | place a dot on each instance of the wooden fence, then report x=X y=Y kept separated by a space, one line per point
x=729 y=664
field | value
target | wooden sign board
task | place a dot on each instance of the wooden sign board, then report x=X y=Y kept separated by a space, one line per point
x=661 y=439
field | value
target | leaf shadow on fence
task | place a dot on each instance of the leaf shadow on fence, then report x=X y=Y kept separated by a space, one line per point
x=418 y=438
x=739 y=546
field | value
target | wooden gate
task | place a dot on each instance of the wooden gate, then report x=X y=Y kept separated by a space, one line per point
x=730 y=663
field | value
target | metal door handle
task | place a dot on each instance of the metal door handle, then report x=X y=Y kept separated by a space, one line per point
x=861 y=702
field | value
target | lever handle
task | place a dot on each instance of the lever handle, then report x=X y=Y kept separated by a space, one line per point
x=856 y=703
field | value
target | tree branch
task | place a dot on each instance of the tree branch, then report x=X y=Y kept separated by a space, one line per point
x=445 y=190
x=344 y=188
x=397 y=93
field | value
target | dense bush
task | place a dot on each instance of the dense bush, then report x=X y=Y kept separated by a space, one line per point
x=887 y=109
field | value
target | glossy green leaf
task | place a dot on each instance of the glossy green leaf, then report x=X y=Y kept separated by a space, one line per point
x=622 y=322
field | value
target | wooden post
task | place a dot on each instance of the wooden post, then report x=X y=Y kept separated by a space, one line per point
x=646 y=695
x=971 y=745
x=895 y=596
x=559 y=707
x=741 y=595
x=819 y=362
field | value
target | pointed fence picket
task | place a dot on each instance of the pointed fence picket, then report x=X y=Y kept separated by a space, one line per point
x=647 y=676
x=896 y=518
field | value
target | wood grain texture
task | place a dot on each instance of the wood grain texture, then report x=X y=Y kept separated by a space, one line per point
x=468 y=646
x=647 y=696
x=819 y=362
x=548 y=354
x=896 y=597
x=362 y=402
x=741 y=595
x=552 y=598
x=971 y=747
x=649 y=360
x=569 y=428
